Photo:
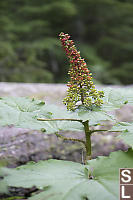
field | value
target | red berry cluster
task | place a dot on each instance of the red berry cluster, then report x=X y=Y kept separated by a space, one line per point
x=81 y=88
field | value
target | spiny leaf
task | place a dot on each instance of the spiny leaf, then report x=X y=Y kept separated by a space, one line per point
x=24 y=112
x=3 y=184
x=123 y=126
x=113 y=99
x=127 y=132
x=127 y=137
x=65 y=180
x=127 y=93
x=94 y=116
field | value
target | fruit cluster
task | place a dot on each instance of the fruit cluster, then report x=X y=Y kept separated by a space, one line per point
x=81 y=89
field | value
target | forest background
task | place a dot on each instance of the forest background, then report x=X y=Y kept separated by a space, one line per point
x=30 y=50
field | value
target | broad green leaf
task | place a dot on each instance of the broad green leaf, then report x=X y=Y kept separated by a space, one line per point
x=94 y=116
x=127 y=132
x=114 y=98
x=3 y=187
x=59 y=113
x=24 y=112
x=127 y=137
x=127 y=93
x=123 y=126
x=3 y=184
x=65 y=180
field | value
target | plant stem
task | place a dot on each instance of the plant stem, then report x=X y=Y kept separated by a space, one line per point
x=70 y=139
x=82 y=95
x=42 y=119
x=87 y=140
x=100 y=130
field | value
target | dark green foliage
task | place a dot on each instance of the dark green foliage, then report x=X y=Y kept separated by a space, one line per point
x=30 y=50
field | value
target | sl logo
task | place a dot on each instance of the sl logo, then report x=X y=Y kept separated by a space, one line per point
x=126 y=183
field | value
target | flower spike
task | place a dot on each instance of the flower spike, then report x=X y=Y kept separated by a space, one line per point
x=80 y=88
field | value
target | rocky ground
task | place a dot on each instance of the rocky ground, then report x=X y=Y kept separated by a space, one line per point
x=18 y=145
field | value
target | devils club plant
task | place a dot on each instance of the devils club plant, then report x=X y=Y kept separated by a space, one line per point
x=80 y=88
x=87 y=110
x=81 y=91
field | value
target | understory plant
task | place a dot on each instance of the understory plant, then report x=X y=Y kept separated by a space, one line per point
x=87 y=110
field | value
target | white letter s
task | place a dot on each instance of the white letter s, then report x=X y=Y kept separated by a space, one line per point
x=125 y=174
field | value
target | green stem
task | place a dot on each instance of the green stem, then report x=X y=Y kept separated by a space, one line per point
x=70 y=139
x=61 y=136
x=42 y=119
x=82 y=95
x=87 y=140
x=100 y=130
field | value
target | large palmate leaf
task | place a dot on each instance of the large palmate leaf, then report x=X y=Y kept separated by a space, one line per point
x=24 y=112
x=127 y=93
x=95 y=116
x=65 y=180
x=123 y=126
x=126 y=132
x=59 y=113
x=3 y=184
x=114 y=98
